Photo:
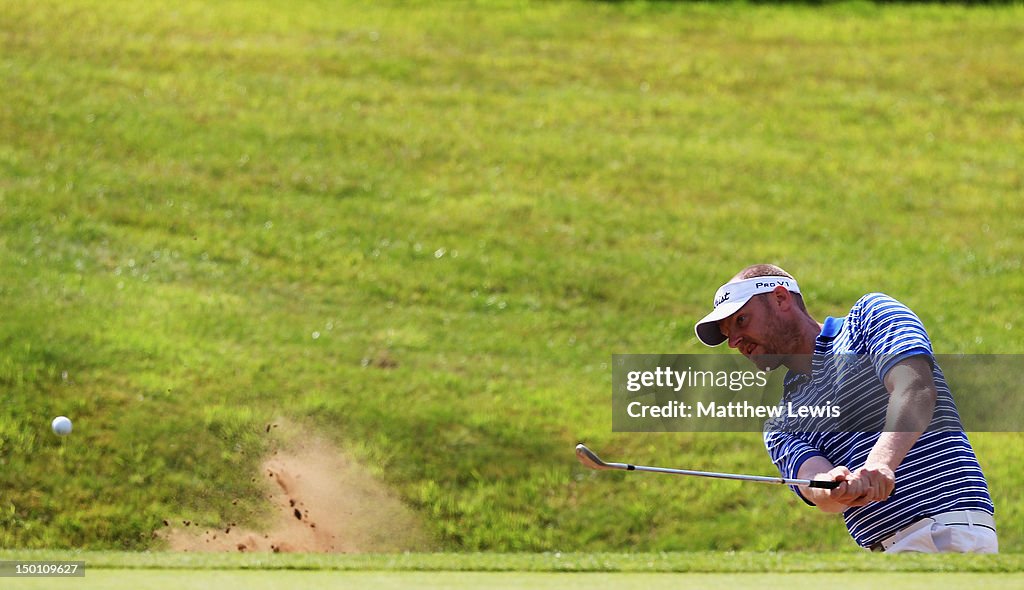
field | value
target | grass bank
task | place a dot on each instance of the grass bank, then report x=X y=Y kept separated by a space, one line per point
x=422 y=231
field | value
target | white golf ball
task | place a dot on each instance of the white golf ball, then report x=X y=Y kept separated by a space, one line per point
x=61 y=425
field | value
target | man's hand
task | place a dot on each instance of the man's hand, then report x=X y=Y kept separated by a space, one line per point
x=825 y=500
x=871 y=483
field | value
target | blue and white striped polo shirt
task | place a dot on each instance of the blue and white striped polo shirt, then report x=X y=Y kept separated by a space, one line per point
x=939 y=474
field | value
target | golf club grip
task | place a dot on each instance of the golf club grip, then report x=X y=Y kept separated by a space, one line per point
x=825 y=485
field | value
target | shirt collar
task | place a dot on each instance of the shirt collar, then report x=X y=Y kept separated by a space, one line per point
x=829 y=331
x=831 y=328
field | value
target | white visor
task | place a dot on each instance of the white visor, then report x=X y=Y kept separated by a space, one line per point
x=731 y=297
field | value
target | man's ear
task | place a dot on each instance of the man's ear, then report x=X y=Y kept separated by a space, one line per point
x=782 y=298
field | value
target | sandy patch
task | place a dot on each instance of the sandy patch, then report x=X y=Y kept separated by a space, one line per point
x=323 y=502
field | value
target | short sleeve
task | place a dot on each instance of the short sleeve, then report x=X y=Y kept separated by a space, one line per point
x=888 y=332
x=788 y=453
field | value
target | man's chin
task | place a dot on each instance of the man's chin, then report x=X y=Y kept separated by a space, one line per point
x=767 y=362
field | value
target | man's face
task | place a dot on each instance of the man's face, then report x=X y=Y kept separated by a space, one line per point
x=759 y=333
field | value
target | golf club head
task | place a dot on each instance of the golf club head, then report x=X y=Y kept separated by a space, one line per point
x=589 y=459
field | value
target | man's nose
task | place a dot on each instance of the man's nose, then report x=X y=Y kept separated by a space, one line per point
x=734 y=340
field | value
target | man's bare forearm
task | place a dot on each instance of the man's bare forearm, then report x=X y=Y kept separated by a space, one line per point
x=911 y=406
x=891 y=448
x=819 y=468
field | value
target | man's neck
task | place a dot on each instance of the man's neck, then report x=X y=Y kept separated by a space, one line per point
x=800 y=360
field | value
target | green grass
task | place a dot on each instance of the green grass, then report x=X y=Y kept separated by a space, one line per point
x=689 y=562
x=117 y=580
x=423 y=231
x=548 y=570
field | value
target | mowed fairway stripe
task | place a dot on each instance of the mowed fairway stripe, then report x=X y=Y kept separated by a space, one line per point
x=330 y=580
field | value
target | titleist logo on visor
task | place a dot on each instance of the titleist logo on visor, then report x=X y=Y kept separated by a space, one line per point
x=743 y=290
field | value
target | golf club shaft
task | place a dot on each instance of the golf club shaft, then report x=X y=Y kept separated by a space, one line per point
x=590 y=459
x=757 y=478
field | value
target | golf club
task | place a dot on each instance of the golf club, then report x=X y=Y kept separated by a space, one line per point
x=591 y=460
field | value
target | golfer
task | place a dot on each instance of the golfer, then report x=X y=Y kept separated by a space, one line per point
x=907 y=485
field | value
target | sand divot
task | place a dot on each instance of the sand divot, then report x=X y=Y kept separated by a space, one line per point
x=323 y=503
